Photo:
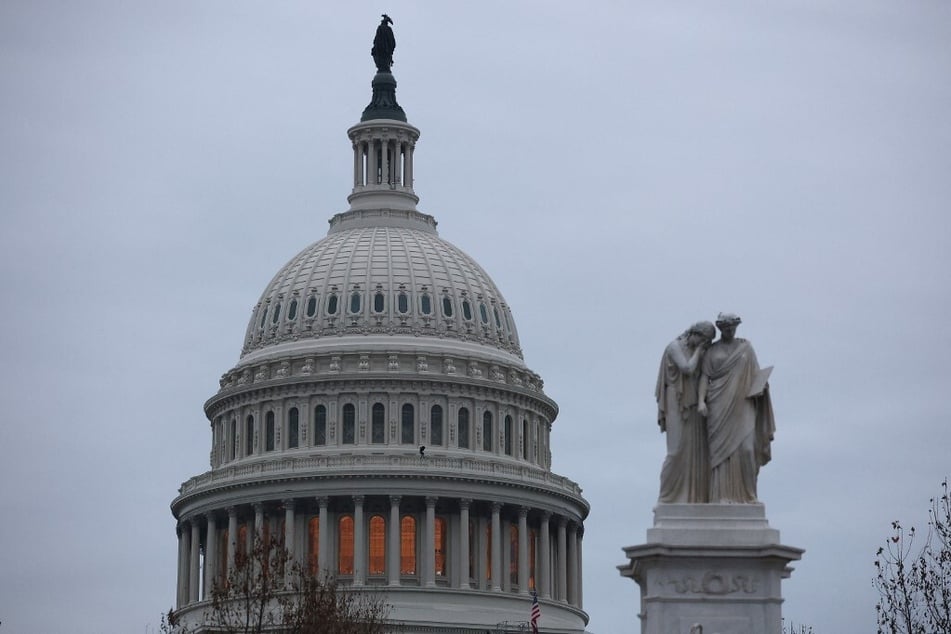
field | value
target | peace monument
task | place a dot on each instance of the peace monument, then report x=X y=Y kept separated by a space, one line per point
x=711 y=564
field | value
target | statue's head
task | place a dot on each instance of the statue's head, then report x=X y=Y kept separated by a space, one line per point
x=386 y=19
x=728 y=319
x=703 y=329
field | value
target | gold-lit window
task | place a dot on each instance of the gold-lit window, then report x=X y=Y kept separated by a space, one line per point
x=513 y=554
x=345 y=545
x=440 y=554
x=377 y=545
x=532 y=540
x=408 y=545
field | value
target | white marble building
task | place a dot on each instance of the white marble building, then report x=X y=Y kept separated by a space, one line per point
x=371 y=342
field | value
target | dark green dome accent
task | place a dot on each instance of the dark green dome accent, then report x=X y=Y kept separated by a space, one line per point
x=383 y=103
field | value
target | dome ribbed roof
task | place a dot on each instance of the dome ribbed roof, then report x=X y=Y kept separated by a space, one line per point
x=384 y=272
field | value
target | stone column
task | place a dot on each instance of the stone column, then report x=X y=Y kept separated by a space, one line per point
x=371 y=162
x=385 y=158
x=429 y=549
x=357 y=151
x=523 y=550
x=573 y=564
x=232 y=538
x=580 y=595
x=397 y=163
x=464 y=542
x=544 y=557
x=289 y=541
x=211 y=554
x=393 y=547
x=496 y=548
x=323 y=537
x=359 y=542
x=562 y=572
x=194 y=562
x=182 y=570
x=408 y=175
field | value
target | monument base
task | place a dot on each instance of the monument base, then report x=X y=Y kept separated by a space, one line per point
x=710 y=569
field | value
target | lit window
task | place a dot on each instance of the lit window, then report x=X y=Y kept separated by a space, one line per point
x=293 y=428
x=349 y=424
x=440 y=554
x=378 y=424
x=269 y=431
x=345 y=545
x=532 y=540
x=463 y=420
x=513 y=554
x=487 y=431
x=320 y=425
x=435 y=425
x=408 y=425
x=377 y=545
x=408 y=545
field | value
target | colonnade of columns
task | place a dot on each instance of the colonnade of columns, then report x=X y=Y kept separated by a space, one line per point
x=462 y=543
x=383 y=161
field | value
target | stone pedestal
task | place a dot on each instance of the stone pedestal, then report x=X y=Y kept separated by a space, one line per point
x=716 y=566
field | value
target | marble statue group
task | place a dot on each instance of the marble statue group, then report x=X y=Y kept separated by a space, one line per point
x=714 y=405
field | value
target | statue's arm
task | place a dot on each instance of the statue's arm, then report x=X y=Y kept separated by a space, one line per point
x=702 y=394
x=685 y=365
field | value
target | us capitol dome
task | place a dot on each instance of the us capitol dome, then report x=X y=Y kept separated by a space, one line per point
x=381 y=419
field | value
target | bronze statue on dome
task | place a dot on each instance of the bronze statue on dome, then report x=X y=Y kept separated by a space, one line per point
x=383 y=45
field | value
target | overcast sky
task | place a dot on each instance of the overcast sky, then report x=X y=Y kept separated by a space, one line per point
x=621 y=170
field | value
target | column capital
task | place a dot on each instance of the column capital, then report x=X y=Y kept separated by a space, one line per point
x=562 y=521
x=465 y=503
x=258 y=507
x=358 y=500
x=288 y=503
x=232 y=511
x=496 y=507
x=395 y=500
x=211 y=516
x=322 y=501
x=431 y=500
x=522 y=512
x=546 y=515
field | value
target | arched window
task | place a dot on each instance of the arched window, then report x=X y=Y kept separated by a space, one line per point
x=524 y=439
x=408 y=545
x=447 y=306
x=425 y=304
x=408 y=425
x=463 y=420
x=355 y=302
x=276 y=315
x=379 y=302
x=292 y=310
x=488 y=551
x=440 y=554
x=402 y=303
x=312 y=306
x=377 y=545
x=249 y=435
x=345 y=545
x=349 y=427
x=269 y=431
x=320 y=425
x=313 y=544
x=466 y=310
x=293 y=428
x=513 y=554
x=487 y=431
x=263 y=317
x=508 y=435
x=378 y=424
x=435 y=426
x=234 y=439
x=498 y=322
x=241 y=544
x=483 y=313
x=472 y=550
x=332 y=304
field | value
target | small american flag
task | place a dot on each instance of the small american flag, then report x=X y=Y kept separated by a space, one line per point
x=536 y=613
